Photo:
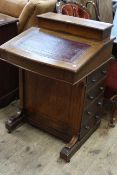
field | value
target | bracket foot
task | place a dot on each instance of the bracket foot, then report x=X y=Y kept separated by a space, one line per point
x=13 y=122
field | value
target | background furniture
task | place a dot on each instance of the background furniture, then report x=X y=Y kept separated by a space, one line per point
x=114 y=33
x=111 y=81
x=111 y=90
x=77 y=9
x=114 y=3
x=104 y=7
x=26 y=10
x=8 y=73
x=61 y=76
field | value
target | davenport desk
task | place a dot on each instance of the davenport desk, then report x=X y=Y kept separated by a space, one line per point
x=63 y=66
x=8 y=73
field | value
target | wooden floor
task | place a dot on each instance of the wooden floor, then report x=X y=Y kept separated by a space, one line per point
x=29 y=151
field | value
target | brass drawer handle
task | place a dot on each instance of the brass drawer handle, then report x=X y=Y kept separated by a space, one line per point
x=104 y=72
x=87 y=127
x=101 y=88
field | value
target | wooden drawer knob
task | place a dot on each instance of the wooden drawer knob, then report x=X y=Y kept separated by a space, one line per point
x=100 y=103
x=101 y=88
x=97 y=117
x=89 y=113
x=104 y=72
x=91 y=97
x=87 y=127
x=93 y=80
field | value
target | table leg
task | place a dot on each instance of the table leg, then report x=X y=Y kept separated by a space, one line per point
x=114 y=104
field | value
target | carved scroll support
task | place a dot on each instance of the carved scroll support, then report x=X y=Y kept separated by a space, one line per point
x=65 y=153
x=72 y=147
x=13 y=122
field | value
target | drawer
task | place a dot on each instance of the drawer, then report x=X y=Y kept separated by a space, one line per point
x=90 y=124
x=94 y=92
x=94 y=109
x=93 y=78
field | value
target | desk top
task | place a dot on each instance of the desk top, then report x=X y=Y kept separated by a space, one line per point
x=59 y=55
x=52 y=48
x=5 y=19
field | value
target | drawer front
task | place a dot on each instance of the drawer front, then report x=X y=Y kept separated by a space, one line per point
x=93 y=110
x=93 y=93
x=96 y=76
x=89 y=125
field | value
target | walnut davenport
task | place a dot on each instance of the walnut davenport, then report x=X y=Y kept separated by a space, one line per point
x=63 y=65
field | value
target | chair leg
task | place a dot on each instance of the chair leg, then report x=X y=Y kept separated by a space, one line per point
x=114 y=103
x=111 y=121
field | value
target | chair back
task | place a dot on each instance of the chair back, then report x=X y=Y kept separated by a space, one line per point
x=95 y=6
x=77 y=10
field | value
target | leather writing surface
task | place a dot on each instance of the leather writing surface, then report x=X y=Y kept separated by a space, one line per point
x=51 y=47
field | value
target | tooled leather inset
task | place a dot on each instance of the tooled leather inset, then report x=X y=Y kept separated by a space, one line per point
x=52 y=47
